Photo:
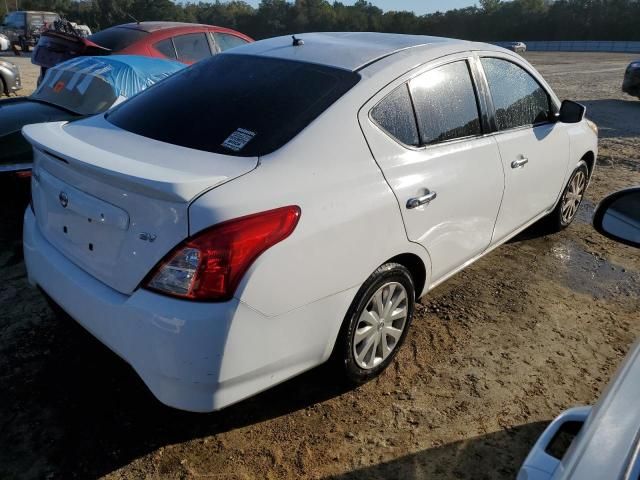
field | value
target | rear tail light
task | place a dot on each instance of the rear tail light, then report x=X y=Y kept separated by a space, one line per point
x=210 y=265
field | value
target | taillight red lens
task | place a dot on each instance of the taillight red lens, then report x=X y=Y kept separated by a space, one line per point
x=210 y=265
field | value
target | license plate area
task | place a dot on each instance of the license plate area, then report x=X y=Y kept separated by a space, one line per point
x=87 y=229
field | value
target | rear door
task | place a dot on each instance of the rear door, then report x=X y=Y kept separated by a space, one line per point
x=533 y=147
x=427 y=136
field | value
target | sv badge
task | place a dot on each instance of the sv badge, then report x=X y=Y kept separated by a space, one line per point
x=147 y=237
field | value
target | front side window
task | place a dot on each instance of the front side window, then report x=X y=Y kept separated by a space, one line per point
x=192 y=47
x=394 y=114
x=519 y=100
x=254 y=106
x=226 y=41
x=165 y=47
x=445 y=103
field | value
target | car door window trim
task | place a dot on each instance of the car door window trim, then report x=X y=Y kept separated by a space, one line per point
x=423 y=146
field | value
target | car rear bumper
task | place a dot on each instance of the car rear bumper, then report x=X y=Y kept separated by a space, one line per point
x=192 y=356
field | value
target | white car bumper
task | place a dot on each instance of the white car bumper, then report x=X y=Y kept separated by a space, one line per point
x=193 y=356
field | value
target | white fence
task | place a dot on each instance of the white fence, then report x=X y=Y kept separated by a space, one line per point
x=579 y=46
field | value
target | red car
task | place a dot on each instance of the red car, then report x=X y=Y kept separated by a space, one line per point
x=184 y=42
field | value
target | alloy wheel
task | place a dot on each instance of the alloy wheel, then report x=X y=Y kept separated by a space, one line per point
x=380 y=326
x=573 y=196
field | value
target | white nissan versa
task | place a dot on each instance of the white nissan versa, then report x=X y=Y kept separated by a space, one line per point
x=287 y=202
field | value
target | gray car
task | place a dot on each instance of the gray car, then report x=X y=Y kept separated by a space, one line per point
x=9 y=78
x=518 y=47
x=603 y=441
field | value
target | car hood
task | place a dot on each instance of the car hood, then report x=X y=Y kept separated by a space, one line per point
x=15 y=113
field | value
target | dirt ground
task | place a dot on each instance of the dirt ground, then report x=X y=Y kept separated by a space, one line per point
x=537 y=326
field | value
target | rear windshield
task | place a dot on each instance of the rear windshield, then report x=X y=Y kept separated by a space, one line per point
x=236 y=105
x=117 y=38
x=81 y=93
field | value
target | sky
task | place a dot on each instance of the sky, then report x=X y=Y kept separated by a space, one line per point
x=418 y=6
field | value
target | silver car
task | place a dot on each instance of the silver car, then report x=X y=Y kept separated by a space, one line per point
x=9 y=78
x=518 y=47
x=600 y=442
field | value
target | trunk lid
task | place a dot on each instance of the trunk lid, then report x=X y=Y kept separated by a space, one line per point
x=56 y=47
x=115 y=203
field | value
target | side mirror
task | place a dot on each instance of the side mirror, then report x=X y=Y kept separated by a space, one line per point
x=571 y=112
x=618 y=217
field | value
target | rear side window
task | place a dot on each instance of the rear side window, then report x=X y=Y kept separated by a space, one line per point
x=226 y=41
x=236 y=105
x=446 y=104
x=192 y=48
x=117 y=38
x=394 y=114
x=518 y=98
x=165 y=47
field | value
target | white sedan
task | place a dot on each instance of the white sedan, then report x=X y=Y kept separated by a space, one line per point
x=288 y=202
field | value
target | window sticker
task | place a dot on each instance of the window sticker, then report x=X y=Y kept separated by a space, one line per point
x=238 y=139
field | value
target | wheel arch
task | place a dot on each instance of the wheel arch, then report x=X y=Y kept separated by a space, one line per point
x=416 y=267
x=590 y=159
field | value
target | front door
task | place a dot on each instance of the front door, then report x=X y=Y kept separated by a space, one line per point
x=426 y=135
x=533 y=147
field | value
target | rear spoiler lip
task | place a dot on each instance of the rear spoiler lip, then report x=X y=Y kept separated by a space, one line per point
x=174 y=185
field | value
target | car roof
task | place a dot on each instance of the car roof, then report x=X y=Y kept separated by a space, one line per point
x=347 y=50
x=33 y=11
x=156 y=26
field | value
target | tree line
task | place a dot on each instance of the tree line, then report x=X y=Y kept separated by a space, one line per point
x=491 y=20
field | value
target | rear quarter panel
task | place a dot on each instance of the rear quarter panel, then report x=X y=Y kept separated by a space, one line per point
x=350 y=222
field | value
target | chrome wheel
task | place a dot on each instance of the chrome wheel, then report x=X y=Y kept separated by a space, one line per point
x=573 y=196
x=380 y=325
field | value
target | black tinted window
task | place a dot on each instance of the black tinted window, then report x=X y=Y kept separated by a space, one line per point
x=518 y=98
x=234 y=104
x=192 y=47
x=165 y=47
x=226 y=41
x=117 y=38
x=445 y=102
x=395 y=115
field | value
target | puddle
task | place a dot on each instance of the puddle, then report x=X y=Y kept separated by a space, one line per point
x=587 y=273
x=585 y=212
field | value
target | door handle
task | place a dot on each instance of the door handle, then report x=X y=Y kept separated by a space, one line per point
x=423 y=200
x=519 y=163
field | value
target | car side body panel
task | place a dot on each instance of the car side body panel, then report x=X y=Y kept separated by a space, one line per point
x=458 y=224
x=350 y=220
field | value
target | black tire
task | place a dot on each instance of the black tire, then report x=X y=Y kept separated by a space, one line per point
x=555 y=220
x=3 y=88
x=344 y=354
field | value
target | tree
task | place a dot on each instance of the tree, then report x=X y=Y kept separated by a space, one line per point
x=490 y=6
